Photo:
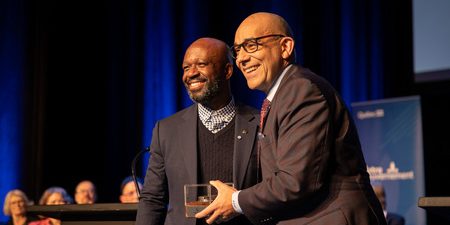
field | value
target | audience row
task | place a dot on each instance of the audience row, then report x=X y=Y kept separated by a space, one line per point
x=16 y=201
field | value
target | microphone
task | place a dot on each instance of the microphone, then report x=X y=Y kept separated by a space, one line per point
x=133 y=170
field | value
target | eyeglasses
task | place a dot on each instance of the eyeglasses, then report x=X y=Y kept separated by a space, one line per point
x=19 y=202
x=85 y=191
x=251 y=45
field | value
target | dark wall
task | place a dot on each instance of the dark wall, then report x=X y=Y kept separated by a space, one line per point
x=85 y=92
x=435 y=98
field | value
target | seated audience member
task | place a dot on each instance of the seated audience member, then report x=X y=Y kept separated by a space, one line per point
x=15 y=207
x=391 y=218
x=128 y=190
x=85 y=193
x=53 y=196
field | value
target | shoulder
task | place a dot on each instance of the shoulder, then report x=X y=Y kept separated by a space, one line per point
x=298 y=74
x=179 y=116
x=242 y=108
x=299 y=85
x=302 y=83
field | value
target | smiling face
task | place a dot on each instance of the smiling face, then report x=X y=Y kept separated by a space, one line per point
x=262 y=67
x=206 y=72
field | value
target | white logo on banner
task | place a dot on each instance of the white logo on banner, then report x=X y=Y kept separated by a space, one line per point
x=392 y=173
x=362 y=115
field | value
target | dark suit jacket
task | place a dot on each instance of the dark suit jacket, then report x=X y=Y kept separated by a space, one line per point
x=395 y=219
x=312 y=164
x=173 y=163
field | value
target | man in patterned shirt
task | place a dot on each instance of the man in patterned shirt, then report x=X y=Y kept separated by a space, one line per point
x=214 y=139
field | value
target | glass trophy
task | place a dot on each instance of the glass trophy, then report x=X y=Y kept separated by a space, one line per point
x=198 y=196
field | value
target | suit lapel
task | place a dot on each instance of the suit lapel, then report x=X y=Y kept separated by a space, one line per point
x=245 y=133
x=188 y=142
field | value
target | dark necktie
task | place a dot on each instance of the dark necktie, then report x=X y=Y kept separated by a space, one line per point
x=264 y=110
x=263 y=113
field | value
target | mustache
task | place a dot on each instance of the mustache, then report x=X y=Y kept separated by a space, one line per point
x=197 y=78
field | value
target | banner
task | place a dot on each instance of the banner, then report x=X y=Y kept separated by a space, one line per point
x=390 y=131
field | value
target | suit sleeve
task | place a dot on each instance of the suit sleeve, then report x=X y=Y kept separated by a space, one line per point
x=297 y=139
x=152 y=208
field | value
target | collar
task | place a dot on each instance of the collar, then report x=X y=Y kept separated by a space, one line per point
x=216 y=120
x=276 y=85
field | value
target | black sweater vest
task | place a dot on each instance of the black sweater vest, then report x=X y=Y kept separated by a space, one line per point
x=215 y=154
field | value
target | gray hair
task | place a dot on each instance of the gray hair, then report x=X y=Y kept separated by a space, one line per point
x=9 y=195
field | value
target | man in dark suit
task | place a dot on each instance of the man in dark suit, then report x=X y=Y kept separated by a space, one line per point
x=212 y=139
x=313 y=169
x=391 y=218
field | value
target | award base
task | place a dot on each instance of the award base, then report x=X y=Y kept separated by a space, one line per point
x=193 y=208
x=198 y=196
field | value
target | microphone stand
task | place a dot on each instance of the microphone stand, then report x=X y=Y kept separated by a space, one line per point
x=133 y=170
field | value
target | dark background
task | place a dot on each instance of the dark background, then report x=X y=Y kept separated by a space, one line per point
x=85 y=76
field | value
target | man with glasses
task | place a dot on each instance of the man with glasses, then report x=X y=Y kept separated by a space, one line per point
x=85 y=193
x=313 y=169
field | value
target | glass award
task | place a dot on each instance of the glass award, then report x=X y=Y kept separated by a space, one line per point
x=198 y=196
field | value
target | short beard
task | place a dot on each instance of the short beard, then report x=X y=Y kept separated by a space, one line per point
x=212 y=91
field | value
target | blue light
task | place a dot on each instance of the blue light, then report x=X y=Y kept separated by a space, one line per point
x=11 y=95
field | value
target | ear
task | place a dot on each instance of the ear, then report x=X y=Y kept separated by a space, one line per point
x=228 y=70
x=287 y=47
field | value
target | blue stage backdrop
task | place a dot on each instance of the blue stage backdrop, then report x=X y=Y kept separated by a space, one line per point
x=391 y=136
x=12 y=60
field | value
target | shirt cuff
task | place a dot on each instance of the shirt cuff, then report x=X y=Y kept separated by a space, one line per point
x=235 y=202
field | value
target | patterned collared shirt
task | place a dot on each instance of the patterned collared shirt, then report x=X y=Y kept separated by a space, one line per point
x=216 y=120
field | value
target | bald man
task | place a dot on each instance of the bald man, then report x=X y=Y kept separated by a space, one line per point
x=85 y=193
x=215 y=138
x=313 y=169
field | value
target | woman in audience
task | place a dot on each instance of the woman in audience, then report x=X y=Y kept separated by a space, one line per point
x=15 y=207
x=53 y=196
x=128 y=190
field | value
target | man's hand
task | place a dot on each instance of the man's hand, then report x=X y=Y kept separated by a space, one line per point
x=221 y=208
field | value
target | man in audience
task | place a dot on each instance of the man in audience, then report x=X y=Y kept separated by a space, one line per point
x=391 y=218
x=85 y=193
